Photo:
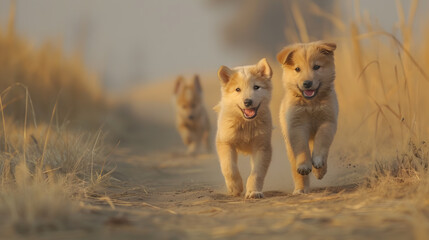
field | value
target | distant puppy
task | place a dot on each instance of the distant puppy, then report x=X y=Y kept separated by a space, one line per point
x=191 y=117
x=244 y=125
x=309 y=110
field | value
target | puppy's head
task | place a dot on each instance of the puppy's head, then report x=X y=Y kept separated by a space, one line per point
x=308 y=68
x=246 y=90
x=188 y=98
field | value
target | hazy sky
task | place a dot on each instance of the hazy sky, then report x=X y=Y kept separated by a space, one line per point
x=137 y=41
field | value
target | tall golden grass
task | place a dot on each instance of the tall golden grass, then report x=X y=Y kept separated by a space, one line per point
x=50 y=77
x=38 y=195
x=45 y=164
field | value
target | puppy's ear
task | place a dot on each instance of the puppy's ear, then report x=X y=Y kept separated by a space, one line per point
x=285 y=56
x=264 y=69
x=178 y=84
x=224 y=74
x=197 y=83
x=327 y=48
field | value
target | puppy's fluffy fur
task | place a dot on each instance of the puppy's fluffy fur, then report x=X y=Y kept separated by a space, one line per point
x=244 y=125
x=308 y=112
x=192 y=120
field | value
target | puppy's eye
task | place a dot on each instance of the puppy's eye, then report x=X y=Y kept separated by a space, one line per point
x=256 y=87
x=316 y=67
x=297 y=69
x=238 y=90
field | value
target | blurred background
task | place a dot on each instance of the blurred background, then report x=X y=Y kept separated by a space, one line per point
x=131 y=42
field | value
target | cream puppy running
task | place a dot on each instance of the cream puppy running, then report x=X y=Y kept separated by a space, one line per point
x=244 y=125
x=192 y=120
x=309 y=110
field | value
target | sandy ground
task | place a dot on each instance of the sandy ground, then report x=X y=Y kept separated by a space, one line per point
x=157 y=192
x=171 y=196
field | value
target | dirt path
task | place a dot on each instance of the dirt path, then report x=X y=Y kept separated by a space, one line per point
x=171 y=196
x=167 y=195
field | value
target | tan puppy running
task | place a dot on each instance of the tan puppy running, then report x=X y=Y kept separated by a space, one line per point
x=309 y=110
x=244 y=125
x=192 y=120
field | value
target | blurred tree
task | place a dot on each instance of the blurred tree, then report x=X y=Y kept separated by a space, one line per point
x=266 y=26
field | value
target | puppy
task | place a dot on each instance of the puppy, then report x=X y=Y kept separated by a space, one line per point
x=244 y=125
x=192 y=120
x=309 y=109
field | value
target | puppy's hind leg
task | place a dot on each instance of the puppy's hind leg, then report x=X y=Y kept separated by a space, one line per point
x=260 y=161
x=228 y=163
x=322 y=142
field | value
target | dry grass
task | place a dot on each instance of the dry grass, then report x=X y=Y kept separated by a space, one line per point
x=50 y=77
x=37 y=196
x=46 y=165
x=36 y=202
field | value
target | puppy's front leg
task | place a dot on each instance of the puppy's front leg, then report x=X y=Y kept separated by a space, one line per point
x=228 y=163
x=193 y=144
x=260 y=161
x=298 y=139
x=322 y=142
x=184 y=134
x=187 y=139
x=299 y=156
x=206 y=141
x=301 y=182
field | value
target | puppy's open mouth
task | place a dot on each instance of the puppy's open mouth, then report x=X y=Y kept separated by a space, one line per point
x=249 y=113
x=310 y=93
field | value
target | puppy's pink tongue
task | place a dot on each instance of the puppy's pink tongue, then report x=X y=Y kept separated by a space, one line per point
x=309 y=93
x=250 y=112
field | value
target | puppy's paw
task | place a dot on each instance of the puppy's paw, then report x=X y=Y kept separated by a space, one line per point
x=304 y=169
x=299 y=191
x=254 y=195
x=191 y=151
x=235 y=189
x=320 y=173
x=318 y=162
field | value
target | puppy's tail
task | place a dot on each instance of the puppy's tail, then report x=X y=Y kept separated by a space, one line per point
x=217 y=108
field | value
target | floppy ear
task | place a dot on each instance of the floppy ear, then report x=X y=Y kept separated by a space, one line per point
x=224 y=74
x=285 y=55
x=197 y=83
x=327 y=48
x=178 y=84
x=263 y=68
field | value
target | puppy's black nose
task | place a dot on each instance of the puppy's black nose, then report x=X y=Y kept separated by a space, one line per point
x=190 y=117
x=248 y=102
x=307 y=84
